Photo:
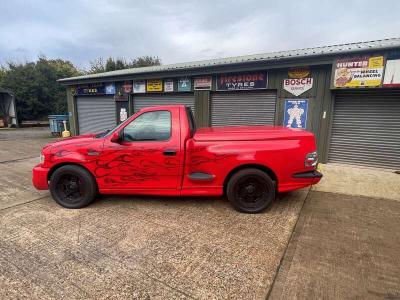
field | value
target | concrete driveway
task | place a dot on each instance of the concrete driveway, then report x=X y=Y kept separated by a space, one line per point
x=343 y=247
x=132 y=247
x=309 y=245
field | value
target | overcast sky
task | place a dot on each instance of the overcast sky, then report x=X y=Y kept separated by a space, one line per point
x=178 y=31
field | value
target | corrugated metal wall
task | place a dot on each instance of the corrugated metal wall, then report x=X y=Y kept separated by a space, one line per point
x=243 y=108
x=320 y=99
x=95 y=113
x=147 y=100
x=366 y=129
x=202 y=108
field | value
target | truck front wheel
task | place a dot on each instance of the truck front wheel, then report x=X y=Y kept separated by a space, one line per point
x=250 y=190
x=72 y=186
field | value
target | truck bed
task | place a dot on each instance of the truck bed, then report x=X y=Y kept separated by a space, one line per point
x=248 y=133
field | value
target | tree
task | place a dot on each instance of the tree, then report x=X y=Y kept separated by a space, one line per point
x=145 y=61
x=2 y=74
x=35 y=86
x=100 y=65
x=97 y=66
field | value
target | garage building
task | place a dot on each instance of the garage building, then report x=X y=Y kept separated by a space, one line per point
x=348 y=95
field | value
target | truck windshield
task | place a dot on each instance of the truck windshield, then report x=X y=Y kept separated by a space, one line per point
x=192 y=125
x=109 y=132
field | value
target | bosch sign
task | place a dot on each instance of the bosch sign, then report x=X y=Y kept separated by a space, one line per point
x=297 y=86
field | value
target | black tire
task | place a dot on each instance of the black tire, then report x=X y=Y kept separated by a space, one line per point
x=250 y=190
x=72 y=186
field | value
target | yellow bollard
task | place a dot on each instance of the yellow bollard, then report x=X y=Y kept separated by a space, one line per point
x=65 y=133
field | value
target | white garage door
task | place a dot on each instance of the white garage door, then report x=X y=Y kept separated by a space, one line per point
x=243 y=108
x=95 y=113
x=366 y=129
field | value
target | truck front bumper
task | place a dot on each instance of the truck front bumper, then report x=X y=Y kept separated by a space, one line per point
x=39 y=177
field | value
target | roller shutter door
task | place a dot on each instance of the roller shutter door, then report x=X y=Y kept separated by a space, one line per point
x=142 y=101
x=243 y=108
x=95 y=113
x=366 y=129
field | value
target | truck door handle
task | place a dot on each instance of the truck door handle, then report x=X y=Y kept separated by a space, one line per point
x=169 y=152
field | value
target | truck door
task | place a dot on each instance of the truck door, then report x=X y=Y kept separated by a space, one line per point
x=148 y=157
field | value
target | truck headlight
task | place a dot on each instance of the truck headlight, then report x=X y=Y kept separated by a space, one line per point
x=41 y=158
x=311 y=159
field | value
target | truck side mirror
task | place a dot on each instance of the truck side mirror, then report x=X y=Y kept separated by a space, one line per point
x=116 y=137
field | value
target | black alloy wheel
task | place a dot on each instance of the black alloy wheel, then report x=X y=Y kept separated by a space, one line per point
x=251 y=190
x=69 y=187
x=72 y=186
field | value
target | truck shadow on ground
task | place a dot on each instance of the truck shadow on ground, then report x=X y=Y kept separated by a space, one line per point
x=221 y=203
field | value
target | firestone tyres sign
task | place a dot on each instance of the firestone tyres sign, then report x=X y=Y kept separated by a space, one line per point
x=358 y=72
x=241 y=81
x=297 y=86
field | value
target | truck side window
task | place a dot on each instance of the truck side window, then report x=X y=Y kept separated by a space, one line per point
x=149 y=126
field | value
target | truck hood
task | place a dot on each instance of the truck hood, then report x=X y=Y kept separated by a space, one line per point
x=76 y=140
x=248 y=133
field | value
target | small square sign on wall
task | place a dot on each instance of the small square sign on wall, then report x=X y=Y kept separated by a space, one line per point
x=168 y=85
x=184 y=84
x=296 y=111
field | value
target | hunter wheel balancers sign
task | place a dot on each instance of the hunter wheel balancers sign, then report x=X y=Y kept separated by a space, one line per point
x=358 y=72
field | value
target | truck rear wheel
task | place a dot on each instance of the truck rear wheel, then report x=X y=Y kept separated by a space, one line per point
x=250 y=190
x=72 y=186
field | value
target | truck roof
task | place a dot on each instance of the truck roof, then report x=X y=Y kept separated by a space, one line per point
x=161 y=107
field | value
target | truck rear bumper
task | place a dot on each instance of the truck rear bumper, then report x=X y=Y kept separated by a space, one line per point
x=300 y=180
x=39 y=177
x=309 y=174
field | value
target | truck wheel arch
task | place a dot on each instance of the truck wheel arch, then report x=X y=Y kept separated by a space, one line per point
x=263 y=168
x=55 y=167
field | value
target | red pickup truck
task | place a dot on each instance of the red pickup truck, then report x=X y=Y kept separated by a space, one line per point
x=159 y=151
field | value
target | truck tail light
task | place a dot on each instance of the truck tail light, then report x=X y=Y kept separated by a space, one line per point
x=311 y=159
